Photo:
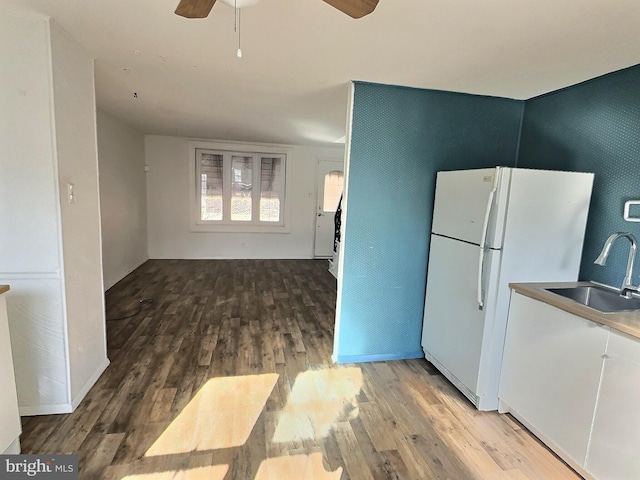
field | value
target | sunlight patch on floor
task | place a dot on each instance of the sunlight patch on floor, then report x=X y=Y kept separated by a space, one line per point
x=212 y=472
x=296 y=467
x=221 y=415
x=318 y=399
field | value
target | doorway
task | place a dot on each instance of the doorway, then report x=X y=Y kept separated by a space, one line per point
x=330 y=183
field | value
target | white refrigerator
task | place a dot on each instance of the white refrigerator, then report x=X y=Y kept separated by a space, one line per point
x=492 y=227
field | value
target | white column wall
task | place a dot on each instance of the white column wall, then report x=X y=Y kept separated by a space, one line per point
x=168 y=207
x=123 y=198
x=30 y=238
x=47 y=138
x=77 y=159
x=28 y=206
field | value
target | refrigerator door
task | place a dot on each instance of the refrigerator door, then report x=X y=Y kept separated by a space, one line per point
x=454 y=326
x=470 y=205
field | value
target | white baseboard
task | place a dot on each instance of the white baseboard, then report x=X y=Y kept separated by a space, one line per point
x=57 y=408
x=49 y=409
x=14 y=448
x=107 y=286
x=90 y=383
x=233 y=257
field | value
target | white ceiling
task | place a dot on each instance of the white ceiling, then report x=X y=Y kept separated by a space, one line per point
x=291 y=86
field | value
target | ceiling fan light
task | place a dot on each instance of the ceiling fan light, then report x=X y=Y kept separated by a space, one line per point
x=239 y=53
x=240 y=3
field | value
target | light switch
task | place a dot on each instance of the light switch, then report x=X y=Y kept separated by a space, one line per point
x=71 y=196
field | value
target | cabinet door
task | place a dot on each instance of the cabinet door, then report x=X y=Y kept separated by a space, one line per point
x=550 y=373
x=614 y=450
x=9 y=416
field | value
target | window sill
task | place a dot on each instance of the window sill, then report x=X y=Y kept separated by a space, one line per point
x=240 y=229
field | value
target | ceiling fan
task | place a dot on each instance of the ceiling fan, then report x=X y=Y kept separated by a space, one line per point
x=353 y=8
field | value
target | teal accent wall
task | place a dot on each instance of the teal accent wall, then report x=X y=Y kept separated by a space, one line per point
x=593 y=127
x=400 y=138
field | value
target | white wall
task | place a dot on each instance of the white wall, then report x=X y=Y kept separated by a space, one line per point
x=30 y=238
x=168 y=207
x=123 y=198
x=77 y=158
x=49 y=250
x=28 y=208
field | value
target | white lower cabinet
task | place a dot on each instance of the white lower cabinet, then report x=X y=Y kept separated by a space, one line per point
x=614 y=451
x=10 y=427
x=551 y=373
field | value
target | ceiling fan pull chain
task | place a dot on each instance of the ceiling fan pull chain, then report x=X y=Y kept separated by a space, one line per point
x=239 y=52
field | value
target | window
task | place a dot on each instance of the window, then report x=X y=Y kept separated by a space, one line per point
x=238 y=189
x=211 y=187
x=333 y=182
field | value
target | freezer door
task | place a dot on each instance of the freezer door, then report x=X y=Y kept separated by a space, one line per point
x=453 y=325
x=470 y=205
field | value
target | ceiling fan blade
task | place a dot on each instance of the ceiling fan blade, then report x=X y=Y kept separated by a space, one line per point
x=354 y=8
x=194 y=8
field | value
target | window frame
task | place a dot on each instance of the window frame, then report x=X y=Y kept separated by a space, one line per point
x=257 y=151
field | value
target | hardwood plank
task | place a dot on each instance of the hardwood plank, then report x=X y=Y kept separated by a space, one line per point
x=471 y=453
x=416 y=467
x=394 y=465
x=36 y=431
x=88 y=415
x=267 y=344
x=377 y=427
x=102 y=455
x=372 y=457
x=354 y=460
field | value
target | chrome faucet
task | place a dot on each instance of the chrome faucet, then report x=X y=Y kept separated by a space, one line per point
x=627 y=285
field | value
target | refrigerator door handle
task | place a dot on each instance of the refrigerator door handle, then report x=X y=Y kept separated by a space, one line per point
x=483 y=241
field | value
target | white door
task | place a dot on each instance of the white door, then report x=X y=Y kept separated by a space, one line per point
x=330 y=182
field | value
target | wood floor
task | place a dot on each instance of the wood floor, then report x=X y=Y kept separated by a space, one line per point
x=227 y=374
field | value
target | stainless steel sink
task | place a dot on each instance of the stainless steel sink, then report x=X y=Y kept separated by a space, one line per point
x=599 y=298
